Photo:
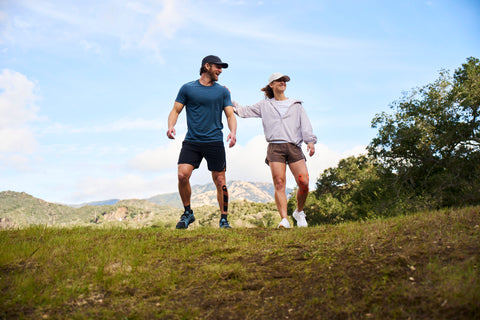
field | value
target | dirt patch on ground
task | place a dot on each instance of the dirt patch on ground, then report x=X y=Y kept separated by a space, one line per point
x=420 y=267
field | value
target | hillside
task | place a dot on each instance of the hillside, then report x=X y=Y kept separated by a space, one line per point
x=20 y=210
x=419 y=266
x=251 y=204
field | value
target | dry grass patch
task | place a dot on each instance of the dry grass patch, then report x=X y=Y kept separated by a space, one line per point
x=423 y=266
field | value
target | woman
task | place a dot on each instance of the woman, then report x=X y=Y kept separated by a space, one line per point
x=286 y=126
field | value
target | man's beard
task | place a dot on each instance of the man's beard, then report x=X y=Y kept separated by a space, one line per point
x=213 y=75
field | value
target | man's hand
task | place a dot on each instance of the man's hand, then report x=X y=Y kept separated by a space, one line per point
x=311 y=149
x=171 y=133
x=232 y=138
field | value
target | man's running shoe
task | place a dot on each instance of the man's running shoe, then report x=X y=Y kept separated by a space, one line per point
x=224 y=224
x=284 y=224
x=300 y=218
x=185 y=220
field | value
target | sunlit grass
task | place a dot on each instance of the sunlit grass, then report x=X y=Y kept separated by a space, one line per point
x=419 y=266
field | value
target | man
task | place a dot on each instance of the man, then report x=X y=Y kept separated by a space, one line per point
x=204 y=101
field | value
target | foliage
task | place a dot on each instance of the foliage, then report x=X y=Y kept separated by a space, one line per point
x=431 y=143
x=426 y=155
x=353 y=190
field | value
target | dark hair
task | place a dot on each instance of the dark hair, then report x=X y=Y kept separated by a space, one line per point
x=203 y=69
x=268 y=91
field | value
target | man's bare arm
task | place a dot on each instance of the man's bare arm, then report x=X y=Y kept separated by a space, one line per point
x=232 y=125
x=172 y=119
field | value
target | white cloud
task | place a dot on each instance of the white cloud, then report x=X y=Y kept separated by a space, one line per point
x=325 y=158
x=136 y=24
x=244 y=162
x=91 y=46
x=159 y=159
x=145 y=25
x=248 y=163
x=120 y=125
x=128 y=186
x=17 y=110
x=165 y=24
x=157 y=171
x=18 y=162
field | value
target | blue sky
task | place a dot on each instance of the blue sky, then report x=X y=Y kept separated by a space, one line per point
x=86 y=86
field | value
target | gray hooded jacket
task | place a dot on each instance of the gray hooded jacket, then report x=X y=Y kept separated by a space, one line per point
x=294 y=127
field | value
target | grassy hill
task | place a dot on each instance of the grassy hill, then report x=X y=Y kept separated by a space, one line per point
x=20 y=210
x=420 y=266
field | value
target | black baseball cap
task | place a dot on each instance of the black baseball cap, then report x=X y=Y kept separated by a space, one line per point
x=214 y=60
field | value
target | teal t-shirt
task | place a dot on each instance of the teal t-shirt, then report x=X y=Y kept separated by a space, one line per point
x=204 y=106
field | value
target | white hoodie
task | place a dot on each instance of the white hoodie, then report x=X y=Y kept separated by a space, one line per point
x=293 y=127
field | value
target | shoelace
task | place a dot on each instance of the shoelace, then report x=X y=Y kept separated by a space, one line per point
x=185 y=216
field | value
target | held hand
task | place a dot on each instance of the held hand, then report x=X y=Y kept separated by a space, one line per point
x=234 y=105
x=233 y=140
x=311 y=149
x=171 y=133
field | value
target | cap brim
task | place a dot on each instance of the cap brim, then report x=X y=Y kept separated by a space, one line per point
x=287 y=78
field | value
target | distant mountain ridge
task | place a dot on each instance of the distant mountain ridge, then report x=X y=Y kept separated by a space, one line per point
x=262 y=192
x=206 y=194
x=109 y=202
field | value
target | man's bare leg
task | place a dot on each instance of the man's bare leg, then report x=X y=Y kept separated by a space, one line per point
x=184 y=174
x=222 y=196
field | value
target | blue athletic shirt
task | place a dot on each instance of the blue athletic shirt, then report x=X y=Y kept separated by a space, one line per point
x=204 y=106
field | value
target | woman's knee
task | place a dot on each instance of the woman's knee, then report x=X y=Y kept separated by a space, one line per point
x=303 y=182
x=279 y=183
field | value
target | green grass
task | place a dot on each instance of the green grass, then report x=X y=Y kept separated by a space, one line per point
x=422 y=266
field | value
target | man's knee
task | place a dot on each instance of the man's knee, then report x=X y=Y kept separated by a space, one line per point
x=219 y=180
x=183 y=177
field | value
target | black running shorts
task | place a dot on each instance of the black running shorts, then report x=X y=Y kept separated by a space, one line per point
x=193 y=153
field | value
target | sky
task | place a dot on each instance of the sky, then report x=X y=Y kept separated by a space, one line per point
x=86 y=86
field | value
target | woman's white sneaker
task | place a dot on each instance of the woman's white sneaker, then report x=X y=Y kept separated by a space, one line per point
x=300 y=217
x=284 y=224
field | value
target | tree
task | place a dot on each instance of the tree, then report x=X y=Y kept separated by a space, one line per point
x=353 y=190
x=431 y=142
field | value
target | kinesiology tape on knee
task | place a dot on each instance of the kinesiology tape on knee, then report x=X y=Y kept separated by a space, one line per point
x=303 y=183
x=225 y=198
